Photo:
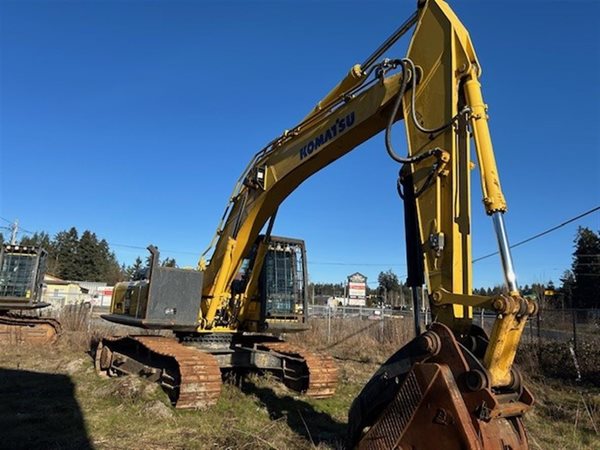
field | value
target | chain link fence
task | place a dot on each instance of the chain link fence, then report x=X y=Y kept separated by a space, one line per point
x=554 y=325
x=559 y=325
x=382 y=324
x=562 y=343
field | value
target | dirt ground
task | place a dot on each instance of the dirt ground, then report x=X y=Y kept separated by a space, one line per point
x=52 y=398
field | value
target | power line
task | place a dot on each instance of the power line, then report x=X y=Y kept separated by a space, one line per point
x=543 y=233
x=137 y=247
x=336 y=263
x=13 y=223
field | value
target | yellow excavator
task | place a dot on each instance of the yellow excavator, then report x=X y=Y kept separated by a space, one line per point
x=453 y=386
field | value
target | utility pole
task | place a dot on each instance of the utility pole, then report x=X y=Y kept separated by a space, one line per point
x=14 y=229
x=401 y=295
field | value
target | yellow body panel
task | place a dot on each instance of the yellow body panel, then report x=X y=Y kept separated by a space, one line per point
x=130 y=298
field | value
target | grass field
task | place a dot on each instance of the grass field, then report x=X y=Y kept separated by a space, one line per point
x=52 y=398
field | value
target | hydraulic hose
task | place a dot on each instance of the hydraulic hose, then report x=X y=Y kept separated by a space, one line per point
x=407 y=76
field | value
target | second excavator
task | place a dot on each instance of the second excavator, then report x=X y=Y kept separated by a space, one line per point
x=22 y=270
x=453 y=386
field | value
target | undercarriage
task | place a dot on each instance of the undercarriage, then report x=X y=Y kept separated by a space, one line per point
x=25 y=329
x=190 y=367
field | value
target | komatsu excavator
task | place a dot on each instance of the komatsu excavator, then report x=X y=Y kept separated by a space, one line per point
x=22 y=271
x=453 y=386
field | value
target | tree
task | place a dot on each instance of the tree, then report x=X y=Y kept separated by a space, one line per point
x=90 y=264
x=331 y=289
x=538 y=290
x=586 y=269
x=38 y=239
x=63 y=262
x=112 y=272
x=169 y=262
x=389 y=286
x=132 y=270
x=566 y=289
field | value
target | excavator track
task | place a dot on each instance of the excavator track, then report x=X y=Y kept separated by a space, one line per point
x=19 y=329
x=314 y=374
x=191 y=377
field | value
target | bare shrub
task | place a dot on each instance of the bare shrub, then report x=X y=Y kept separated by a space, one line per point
x=354 y=338
x=75 y=317
x=554 y=359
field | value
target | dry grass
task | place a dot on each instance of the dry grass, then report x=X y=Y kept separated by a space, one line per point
x=365 y=341
x=52 y=398
x=565 y=417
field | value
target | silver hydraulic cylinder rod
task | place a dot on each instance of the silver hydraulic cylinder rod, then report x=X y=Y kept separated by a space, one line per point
x=504 y=248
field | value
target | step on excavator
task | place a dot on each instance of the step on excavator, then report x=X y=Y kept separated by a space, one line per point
x=453 y=386
x=22 y=271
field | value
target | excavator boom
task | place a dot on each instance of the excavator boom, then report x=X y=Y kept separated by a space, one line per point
x=453 y=382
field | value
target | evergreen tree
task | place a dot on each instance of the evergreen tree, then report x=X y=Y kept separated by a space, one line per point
x=132 y=270
x=586 y=269
x=41 y=239
x=566 y=288
x=113 y=273
x=389 y=286
x=64 y=262
x=90 y=265
x=169 y=262
x=331 y=289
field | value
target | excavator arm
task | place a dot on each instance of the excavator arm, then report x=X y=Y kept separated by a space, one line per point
x=453 y=381
x=443 y=107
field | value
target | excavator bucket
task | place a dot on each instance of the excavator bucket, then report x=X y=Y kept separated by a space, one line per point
x=435 y=394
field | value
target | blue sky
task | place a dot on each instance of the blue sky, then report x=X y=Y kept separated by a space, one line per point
x=134 y=119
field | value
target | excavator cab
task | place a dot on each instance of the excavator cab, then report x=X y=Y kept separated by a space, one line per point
x=21 y=277
x=283 y=285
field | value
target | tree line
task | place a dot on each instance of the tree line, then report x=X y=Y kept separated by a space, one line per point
x=84 y=256
x=579 y=286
